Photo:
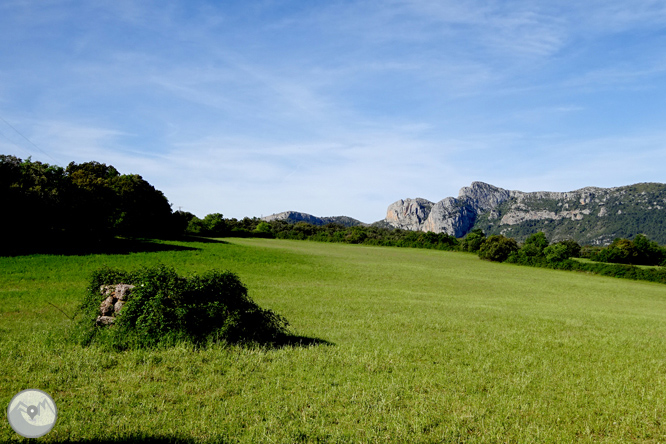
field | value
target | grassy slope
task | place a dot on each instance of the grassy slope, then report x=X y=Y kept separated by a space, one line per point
x=428 y=346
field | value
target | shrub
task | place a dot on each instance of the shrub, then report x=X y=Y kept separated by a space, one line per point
x=472 y=242
x=536 y=243
x=562 y=251
x=497 y=248
x=640 y=251
x=165 y=308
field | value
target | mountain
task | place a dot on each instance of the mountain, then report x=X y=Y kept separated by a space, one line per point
x=295 y=216
x=589 y=215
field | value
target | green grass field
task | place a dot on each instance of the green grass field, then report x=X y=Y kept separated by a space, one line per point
x=424 y=346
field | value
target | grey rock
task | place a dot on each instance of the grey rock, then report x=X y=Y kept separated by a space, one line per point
x=450 y=216
x=409 y=214
x=496 y=210
x=116 y=296
x=105 y=320
x=122 y=290
x=106 y=308
x=483 y=197
x=295 y=216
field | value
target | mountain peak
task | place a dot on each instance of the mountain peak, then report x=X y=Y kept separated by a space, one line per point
x=589 y=215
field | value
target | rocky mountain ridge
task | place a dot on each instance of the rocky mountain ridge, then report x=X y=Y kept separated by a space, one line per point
x=295 y=216
x=589 y=215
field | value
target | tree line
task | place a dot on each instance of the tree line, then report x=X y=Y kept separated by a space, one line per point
x=83 y=204
x=618 y=259
x=92 y=203
x=535 y=249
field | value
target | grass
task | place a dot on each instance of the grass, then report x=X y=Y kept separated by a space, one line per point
x=588 y=261
x=425 y=346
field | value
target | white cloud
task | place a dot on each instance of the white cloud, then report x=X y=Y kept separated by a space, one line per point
x=336 y=108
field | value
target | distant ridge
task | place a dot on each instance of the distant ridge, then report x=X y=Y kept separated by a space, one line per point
x=295 y=216
x=589 y=215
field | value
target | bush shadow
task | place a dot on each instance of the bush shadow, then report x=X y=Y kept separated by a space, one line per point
x=144 y=439
x=114 y=246
x=299 y=341
x=202 y=240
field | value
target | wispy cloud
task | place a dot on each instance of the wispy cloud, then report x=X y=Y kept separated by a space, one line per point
x=337 y=107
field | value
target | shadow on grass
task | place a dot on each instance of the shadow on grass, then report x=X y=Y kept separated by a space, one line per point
x=144 y=439
x=299 y=341
x=202 y=240
x=80 y=248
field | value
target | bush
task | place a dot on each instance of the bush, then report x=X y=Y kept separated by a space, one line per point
x=165 y=308
x=640 y=251
x=472 y=242
x=535 y=244
x=497 y=248
x=562 y=251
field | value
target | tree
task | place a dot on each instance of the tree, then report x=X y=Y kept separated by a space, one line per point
x=497 y=248
x=535 y=244
x=264 y=227
x=142 y=210
x=648 y=252
x=562 y=250
x=472 y=242
x=214 y=225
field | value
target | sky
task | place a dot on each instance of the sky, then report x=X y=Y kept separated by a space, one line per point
x=249 y=108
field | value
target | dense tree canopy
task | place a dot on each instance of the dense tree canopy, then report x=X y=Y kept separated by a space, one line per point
x=49 y=205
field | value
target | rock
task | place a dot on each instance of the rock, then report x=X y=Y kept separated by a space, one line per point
x=483 y=197
x=408 y=214
x=106 y=308
x=105 y=320
x=295 y=216
x=517 y=214
x=110 y=307
x=122 y=290
x=450 y=216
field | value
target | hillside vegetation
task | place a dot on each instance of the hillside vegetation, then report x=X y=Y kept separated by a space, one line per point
x=408 y=345
x=597 y=219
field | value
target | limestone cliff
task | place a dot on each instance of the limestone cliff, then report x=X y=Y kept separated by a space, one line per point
x=408 y=214
x=589 y=215
x=295 y=216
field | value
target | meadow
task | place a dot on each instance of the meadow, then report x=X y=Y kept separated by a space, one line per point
x=412 y=345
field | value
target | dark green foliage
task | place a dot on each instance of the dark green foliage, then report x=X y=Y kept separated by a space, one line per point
x=640 y=251
x=165 y=308
x=536 y=242
x=472 y=242
x=332 y=232
x=83 y=204
x=613 y=270
x=562 y=251
x=263 y=227
x=627 y=211
x=497 y=248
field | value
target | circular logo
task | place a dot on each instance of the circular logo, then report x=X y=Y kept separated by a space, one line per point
x=32 y=413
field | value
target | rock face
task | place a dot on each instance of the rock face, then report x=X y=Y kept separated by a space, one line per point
x=451 y=216
x=295 y=216
x=589 y=215
x=116 y=296
x=408 y=214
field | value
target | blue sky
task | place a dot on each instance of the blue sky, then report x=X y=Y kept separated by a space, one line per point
x=338 y=107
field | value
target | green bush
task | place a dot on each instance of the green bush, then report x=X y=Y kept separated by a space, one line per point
x=472 y=242
x=165 y=308
x=497 y=248
x=562 y=251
